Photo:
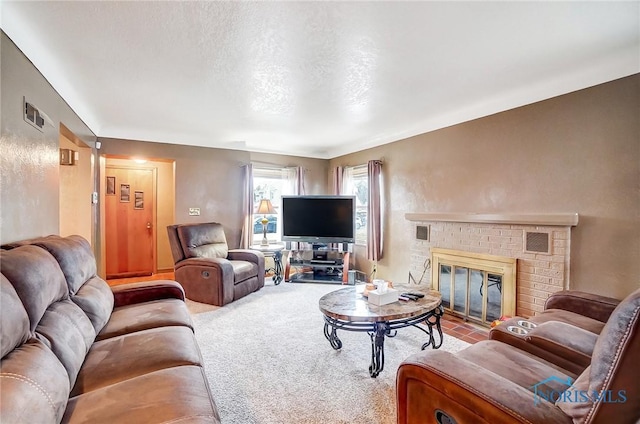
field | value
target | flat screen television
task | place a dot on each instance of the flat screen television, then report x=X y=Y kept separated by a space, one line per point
x=322 y=219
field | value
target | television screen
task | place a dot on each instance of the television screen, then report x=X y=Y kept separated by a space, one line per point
x=323 y=219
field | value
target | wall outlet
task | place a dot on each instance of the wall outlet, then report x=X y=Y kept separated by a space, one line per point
x=194 y=211
x=94 y=197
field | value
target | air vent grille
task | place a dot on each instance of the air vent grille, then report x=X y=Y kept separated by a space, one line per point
x=422 y=232
x=34 y=116
x=537 y=242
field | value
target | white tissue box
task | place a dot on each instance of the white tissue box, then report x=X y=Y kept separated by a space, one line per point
x=379 y=299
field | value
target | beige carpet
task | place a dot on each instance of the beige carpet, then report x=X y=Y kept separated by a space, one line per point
x=268 y=362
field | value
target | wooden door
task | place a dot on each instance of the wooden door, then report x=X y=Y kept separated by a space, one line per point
x=129 y=218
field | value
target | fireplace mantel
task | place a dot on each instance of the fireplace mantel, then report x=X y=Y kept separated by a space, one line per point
x=555 y=219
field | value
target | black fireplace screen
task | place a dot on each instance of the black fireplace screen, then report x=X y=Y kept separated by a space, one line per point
x=471 y=293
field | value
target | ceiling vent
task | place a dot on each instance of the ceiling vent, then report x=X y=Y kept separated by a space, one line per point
x=35 y=117
x=537 y=242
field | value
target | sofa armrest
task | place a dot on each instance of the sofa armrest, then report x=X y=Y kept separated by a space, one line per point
x=564 y=340
x=253 y=256
x=466 y=392
x=131 y=293
x=245 y=255
x=582 y=303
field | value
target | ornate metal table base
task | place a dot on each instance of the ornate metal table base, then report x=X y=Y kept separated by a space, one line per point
x=277 y=267
x=379 y=330
x=276 y=253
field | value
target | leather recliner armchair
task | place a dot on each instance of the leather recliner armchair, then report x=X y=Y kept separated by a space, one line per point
x=493 y=382
x=208 y=270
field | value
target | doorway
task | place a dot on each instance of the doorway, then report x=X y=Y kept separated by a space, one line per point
x=130 y=211
x=76 y=186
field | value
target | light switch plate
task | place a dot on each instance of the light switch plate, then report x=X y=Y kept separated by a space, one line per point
x=194 y=211
x=94 y=197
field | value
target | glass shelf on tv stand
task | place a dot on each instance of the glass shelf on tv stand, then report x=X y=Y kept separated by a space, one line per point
x=311 y=277
x=317 y=272
x=324 y=265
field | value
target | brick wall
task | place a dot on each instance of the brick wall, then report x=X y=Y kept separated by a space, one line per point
x=538 y=274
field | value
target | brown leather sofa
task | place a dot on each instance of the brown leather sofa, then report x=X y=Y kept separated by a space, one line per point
x=494 y=382
x=208 y=270
x=565 y=333
x=75 y=350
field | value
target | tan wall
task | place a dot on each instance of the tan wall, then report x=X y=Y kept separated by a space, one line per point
x=575 y=153
x=165 y=204
x=29 y=163
x=315 y=169
x=76 y=186
x=211 y=179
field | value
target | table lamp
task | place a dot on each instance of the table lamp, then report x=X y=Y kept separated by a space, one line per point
x=265 y=207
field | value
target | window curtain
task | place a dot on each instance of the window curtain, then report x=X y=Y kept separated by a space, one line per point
x=300 y=174
x=374 y=211
x=246 y=237
x=338 y=180
x=294 y=177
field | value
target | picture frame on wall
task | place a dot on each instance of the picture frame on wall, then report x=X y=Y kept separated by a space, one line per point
x=111 y=186
x=125 y=193
x=138 y=200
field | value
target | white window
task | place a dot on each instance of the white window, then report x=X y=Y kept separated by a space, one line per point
x=270 y=183
x=356 y=182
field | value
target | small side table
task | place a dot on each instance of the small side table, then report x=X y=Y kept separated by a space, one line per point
x=274 y=251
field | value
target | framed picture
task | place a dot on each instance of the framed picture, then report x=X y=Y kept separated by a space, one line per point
x=111 y=186
x=139 y=200
x=124 y=193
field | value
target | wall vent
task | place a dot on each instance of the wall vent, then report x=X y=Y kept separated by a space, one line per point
x=34 y=116
x=422 y=232
x=537 y=242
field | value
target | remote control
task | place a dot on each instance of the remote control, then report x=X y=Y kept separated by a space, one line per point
x=420 y=295
x=410 y=296
x=403 y=298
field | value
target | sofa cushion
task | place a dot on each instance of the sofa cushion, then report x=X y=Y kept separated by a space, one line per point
x=36 y=277
x=172 y=395
x=568 y=317
x=203 y=240
x=124 y=357
x=75 y=258
x=517 y=366
x=14 y=321
x=96 y=299
x=143 y=316
x=35 y=385
x=67 y=331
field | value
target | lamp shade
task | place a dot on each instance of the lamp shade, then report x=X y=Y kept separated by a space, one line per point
x=265 y=207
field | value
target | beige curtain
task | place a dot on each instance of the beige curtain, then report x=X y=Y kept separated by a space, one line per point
x=297 y=179
x=294 y=180
x=337 y=180
x=300 y=174
x=374 y=212
x=246 y=237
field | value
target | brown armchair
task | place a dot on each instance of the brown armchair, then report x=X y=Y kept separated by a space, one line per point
x=494 y=382
x=208 y=270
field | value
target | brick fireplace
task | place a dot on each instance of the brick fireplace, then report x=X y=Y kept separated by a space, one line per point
x=540 y=244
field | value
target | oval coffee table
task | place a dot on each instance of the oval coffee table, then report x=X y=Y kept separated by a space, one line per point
x=345 y=309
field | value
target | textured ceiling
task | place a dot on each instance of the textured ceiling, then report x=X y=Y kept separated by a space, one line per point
x=316 y=79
